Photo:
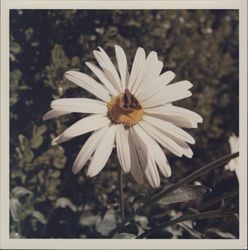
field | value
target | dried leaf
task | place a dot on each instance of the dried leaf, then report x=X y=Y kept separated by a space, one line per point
x=184 y=193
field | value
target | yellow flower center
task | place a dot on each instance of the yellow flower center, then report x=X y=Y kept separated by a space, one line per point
x=125 y=109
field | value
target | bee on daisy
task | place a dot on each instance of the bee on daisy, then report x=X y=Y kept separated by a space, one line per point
x=133 y=110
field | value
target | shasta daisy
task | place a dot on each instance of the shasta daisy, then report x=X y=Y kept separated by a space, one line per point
x=133 y=111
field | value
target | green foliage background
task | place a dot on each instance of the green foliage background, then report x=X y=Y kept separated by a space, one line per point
x=198 y=45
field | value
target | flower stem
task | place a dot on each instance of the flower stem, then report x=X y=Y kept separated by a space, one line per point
x=121 y=199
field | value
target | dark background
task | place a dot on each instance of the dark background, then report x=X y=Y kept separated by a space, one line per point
x=198 y=45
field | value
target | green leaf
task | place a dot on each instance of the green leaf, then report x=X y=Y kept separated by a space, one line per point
x=107 y=224
x=19 y=191
x=184 y=193
x=54 y=157
x=37 y=137
x=65 y=202
x=59 y=59
x=24 y=152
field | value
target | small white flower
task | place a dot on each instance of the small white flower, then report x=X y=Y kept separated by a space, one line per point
x=134 y=111
x=233 y=165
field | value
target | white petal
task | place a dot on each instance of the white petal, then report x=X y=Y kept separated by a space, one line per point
x=106 y=63
x=88 y=149
x=122 y=65
x=170 y=110
x=170 y=93
x=102 y=152
x=234 y=143
x=178 y=116
x=230 y=166
x=88 y=83
x=179 y=85
x=147 y=162
x=54 y=113
x=80 y=105
x=83 y=126
x=152 y=72
x=166 y=78
x=139 y=60
x=181 y=122
x=187 y=151
x=169 y=129
x=156 y=152
x=162 y=139
x=101 y=76
x=164 y=97
x=123 y=148
x=158 y=85
x=108 y=73
x=136 y=170
x=145 y=69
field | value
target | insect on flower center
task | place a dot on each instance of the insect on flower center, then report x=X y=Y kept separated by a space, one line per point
x=125 y=109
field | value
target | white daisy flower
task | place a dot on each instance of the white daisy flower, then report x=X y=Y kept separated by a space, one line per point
x=233 y=165
x=134 y=111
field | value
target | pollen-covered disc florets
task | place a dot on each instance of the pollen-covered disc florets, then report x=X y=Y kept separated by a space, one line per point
x=125 y=109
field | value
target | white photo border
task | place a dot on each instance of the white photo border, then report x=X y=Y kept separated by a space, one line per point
x=6 y=242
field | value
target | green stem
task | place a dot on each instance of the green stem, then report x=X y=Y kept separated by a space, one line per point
x=121 y=198
x=205 y=169
x=204 y=215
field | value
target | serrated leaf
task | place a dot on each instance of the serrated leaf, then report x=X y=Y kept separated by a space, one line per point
x=20 y=191
x=184 y=193
x=65 y=202
x=107 y=224
x=39 y=216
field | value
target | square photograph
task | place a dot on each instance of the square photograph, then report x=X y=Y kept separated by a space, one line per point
x=124 y=124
